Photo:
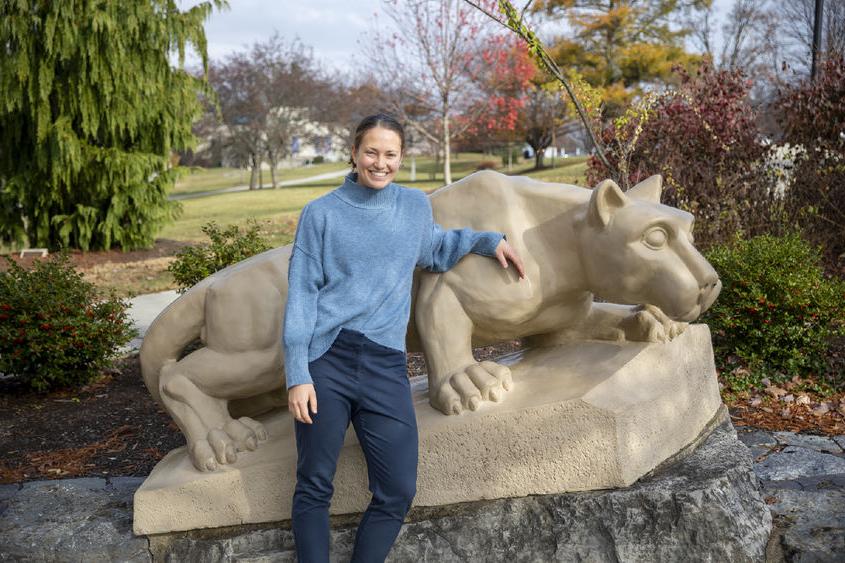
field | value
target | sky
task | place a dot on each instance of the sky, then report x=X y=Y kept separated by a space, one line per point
x=332 y=28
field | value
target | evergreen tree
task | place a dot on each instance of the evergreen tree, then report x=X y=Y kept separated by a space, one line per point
x=90 y=110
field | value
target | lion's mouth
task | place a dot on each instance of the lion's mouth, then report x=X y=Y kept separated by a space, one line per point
x=706 y=297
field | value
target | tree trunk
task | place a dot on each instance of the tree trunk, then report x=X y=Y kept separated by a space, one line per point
x=253 y=172
x=272 y=158
x=538 y=158
x=447 y=163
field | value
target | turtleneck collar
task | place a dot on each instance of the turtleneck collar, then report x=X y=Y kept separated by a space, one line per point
x=355 y=194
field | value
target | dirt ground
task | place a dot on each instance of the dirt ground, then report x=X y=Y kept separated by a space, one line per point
x=85 y=260
x=127 y=273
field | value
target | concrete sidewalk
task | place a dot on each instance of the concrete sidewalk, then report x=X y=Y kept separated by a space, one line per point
x=143 y=311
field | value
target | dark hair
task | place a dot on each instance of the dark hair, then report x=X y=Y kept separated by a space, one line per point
x=384 y=120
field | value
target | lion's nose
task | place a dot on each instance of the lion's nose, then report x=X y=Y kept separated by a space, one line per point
x=710 y=290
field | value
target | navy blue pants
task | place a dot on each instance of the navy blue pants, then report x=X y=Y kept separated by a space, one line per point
x=362 y=381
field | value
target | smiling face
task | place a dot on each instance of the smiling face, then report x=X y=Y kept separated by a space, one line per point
x=377 y=157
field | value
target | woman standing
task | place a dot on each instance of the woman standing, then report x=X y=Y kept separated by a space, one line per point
x=347 y=311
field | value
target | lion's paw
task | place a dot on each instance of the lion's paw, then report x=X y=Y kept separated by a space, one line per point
x=246 y=433
x=204 y=456
x=221 y=447
x=648 y=323
x=484 y=381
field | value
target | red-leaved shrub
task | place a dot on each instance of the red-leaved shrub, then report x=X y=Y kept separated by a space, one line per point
x=703 y=139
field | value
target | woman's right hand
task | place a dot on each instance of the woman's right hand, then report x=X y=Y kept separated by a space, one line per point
x=300 y=397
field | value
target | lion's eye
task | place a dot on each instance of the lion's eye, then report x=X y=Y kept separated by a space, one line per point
x=655 y=238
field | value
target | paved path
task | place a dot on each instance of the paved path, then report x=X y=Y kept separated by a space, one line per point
x=245 y=188
x=143 y=309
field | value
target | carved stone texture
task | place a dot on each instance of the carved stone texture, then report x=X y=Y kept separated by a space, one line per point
x=705 y=506
x=581 y=416
x=626 y=248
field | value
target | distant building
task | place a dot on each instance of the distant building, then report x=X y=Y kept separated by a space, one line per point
x=311 y=140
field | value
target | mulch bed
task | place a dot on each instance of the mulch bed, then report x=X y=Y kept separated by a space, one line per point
x=111 y=427
x=789 y=407
x=84 y=260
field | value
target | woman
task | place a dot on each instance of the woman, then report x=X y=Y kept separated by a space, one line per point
x=348 y=305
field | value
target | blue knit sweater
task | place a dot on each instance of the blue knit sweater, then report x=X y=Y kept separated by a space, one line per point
x=352 y=267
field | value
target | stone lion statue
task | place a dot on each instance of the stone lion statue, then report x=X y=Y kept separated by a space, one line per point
x=625 y=248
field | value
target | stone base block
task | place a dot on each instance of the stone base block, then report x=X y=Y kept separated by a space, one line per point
x=703 y=506
x=581 y=416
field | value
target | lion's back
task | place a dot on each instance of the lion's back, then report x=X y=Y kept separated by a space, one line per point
x=489 y=200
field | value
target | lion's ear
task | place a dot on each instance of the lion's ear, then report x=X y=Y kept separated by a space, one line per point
x=605 y=200
x=648 y=190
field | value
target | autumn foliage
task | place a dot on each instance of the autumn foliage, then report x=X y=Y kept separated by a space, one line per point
x=503 y=78
x=618 y=46
x=702 y=137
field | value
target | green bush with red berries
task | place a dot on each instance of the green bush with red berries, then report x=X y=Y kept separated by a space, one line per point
x=56 y=330
x=777 y=313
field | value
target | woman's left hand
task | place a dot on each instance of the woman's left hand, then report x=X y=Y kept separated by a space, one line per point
x=505 y=252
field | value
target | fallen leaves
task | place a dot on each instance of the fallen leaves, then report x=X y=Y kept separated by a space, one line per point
x=775 y=391
x=801 y=412
x=64 y=462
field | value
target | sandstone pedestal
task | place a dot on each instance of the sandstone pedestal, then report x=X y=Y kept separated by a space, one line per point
x=581 y=416
x=704 y=506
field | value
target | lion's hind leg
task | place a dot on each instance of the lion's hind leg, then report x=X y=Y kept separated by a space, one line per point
x=196 y=391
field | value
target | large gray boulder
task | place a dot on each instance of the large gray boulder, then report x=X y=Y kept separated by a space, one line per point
x=85 y=520
x=803 y=481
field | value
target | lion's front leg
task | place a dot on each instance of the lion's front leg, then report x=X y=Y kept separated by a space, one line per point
x=647 y=323
x=609 y=321
x=455 y=380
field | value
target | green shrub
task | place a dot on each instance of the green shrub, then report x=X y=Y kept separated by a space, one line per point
x=777 y=312
x=228 y=246
x=319 y=159
x=55 y=330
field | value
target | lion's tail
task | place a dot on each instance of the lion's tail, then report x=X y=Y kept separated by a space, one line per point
x=181 y=323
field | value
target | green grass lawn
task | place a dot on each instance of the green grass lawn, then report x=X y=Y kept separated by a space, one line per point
x=277 y=210
x=209 y=179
